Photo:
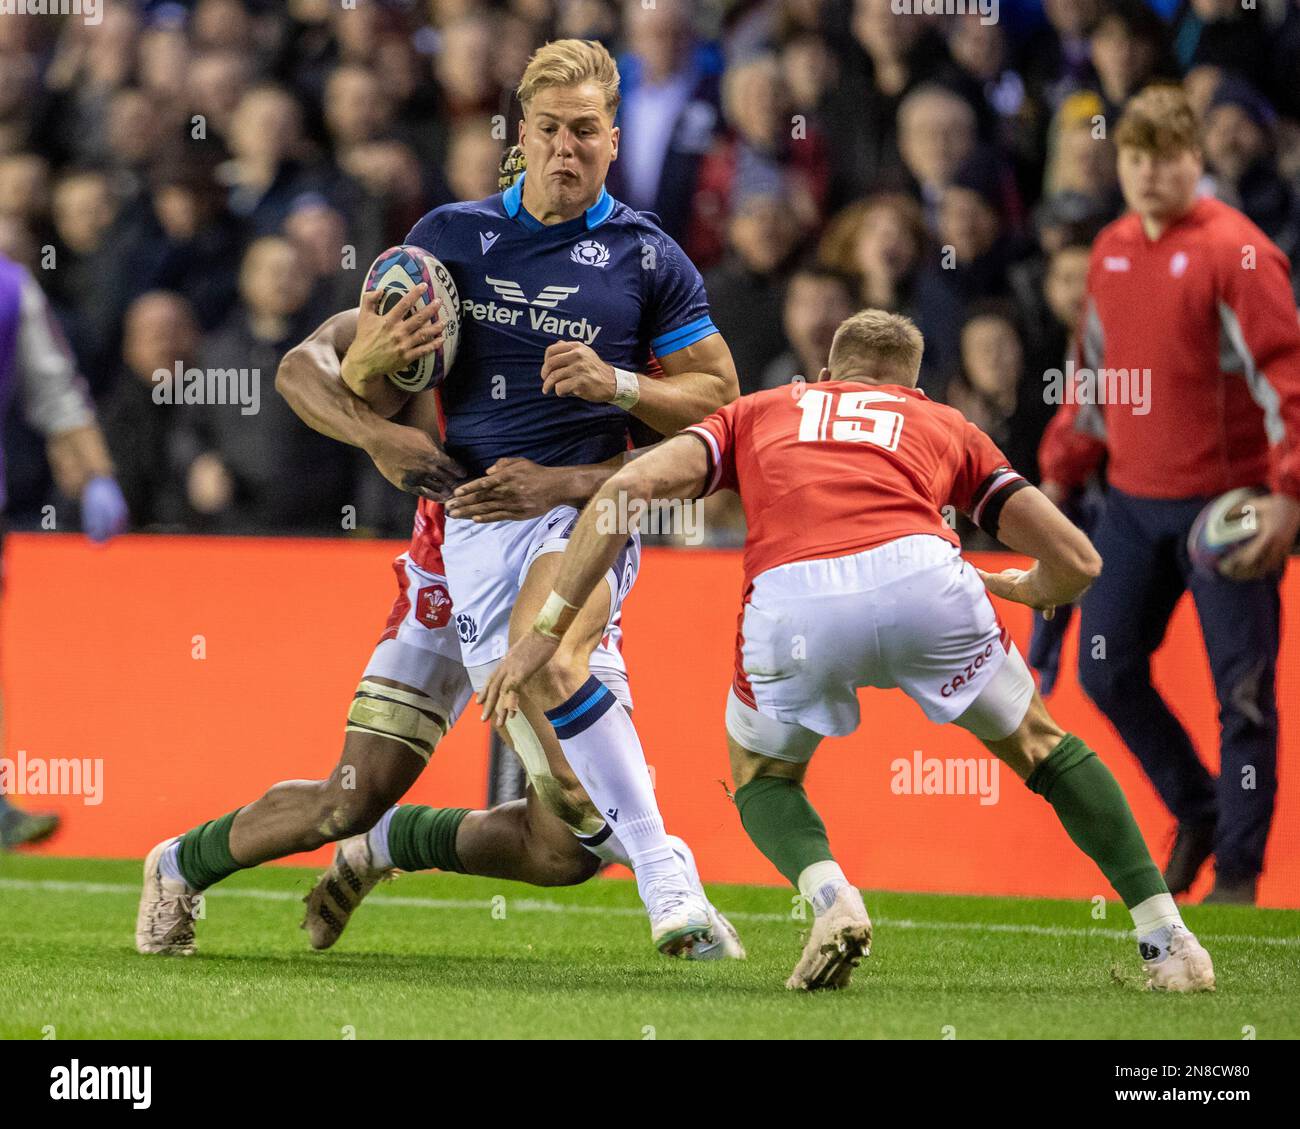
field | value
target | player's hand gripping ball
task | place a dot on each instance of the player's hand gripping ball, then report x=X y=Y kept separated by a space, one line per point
x=394 y=274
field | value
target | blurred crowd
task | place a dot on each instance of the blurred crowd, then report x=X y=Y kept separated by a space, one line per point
x=200 y=184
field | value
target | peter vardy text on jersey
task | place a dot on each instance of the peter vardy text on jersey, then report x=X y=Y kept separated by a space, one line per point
x=566 y=329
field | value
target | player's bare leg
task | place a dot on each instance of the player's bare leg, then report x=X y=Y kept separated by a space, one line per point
x=374 y=771
x=595 y=736
x=1094 y=812
x=777 y=816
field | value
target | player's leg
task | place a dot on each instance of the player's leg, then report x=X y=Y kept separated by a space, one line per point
x=1241 y=625
x=769 y=760
x=1122 y=621
x=1009 y=717
x=566 y=704
x=378 y=765
x=20 y=828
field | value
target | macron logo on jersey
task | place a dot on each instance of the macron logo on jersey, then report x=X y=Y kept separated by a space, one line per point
x=539 y=316
x=487 y=238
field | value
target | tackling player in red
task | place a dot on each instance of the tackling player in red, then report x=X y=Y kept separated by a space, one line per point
x=852 y=579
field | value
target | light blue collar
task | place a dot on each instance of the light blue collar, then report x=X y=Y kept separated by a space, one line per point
x=512 y=199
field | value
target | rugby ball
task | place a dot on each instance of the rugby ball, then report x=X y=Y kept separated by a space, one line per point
x=1225 y=523
x=395 y=273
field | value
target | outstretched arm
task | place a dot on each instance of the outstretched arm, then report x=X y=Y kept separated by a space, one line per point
x=675 y=469
x=1065 y=565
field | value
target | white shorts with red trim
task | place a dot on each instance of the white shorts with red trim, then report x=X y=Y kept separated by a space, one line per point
x=910 y=614
x=419 y=647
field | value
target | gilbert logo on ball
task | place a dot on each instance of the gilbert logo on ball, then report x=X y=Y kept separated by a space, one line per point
x=395 y=273
x=1225 y=523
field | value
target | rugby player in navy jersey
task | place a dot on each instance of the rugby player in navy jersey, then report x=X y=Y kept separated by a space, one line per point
x=577 y=316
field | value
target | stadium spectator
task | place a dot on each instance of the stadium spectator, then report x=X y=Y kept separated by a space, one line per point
x=87 y=269
x=320 y=232
x=669 y=113
x=745 y=291
x=817 y=300
x=1219 y=349
x=159 y=333
x=992 y=387
x=972 y=261
x=1058 y=57
x=1128 y=49
x=266 y=172
x=883 y=59
x=1239 y=152
x=936 y=133
x=250 y=465
x=1081 y=155
x=760 y=151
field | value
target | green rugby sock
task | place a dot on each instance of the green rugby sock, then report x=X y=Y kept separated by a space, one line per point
x=204 y=856
x=424 y=838
x=1092 y=808
x=777 y=816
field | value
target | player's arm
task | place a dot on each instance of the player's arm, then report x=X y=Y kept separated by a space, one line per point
x=56 y=403
x=311 y=380
x=1073 y=442
x=1258 y=315
x=514 y=489
x=1065 y=561
x=678 y=468
x=697 y=379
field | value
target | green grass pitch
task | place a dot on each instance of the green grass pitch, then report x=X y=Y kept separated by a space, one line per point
x=446 y=956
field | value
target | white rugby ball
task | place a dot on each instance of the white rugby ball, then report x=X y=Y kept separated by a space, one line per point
x=395 y=273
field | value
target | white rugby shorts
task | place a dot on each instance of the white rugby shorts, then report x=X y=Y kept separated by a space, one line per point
x=910 y=614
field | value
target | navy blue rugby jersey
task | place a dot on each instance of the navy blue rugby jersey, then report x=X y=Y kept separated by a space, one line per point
x=609 y=278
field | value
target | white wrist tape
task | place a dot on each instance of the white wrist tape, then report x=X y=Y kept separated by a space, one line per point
x=554 y=618
x=627 y=389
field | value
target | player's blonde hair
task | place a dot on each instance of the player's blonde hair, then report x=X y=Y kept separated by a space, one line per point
x=570 y=62
x=877 y=346
x=1159 y=120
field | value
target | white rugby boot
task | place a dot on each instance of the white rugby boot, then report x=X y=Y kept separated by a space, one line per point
x=1176 y=961
x=338 y=892
x=839 y=939
x=679 y=916
x=164 y=923
x=726 y=944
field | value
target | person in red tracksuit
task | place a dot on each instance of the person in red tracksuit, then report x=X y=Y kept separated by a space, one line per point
x=1189 y=382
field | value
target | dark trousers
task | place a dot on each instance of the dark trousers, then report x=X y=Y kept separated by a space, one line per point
x=1143 y=544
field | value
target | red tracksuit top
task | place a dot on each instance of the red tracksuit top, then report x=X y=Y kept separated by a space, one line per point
x=1208 y=309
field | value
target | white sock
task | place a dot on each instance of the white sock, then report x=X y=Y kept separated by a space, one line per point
x=819 y=884
x=170 y=864
x=1154 y=920
x=601 y=746
x=377 y=837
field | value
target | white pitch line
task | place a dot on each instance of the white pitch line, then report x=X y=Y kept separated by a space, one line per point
x=542 y=905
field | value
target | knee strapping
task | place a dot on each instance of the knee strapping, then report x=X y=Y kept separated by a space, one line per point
x=582 y=819
x=406 y=716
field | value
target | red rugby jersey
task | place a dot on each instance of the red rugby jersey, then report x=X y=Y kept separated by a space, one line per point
x=1207 y=309
x=846 y=466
